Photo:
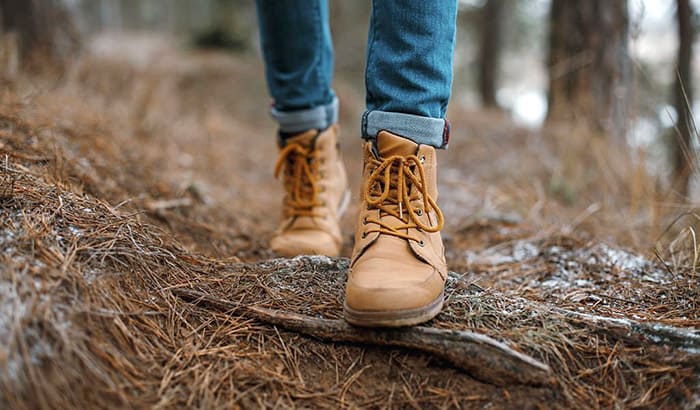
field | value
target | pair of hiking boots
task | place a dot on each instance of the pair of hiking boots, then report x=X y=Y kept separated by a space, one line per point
x=397 y=271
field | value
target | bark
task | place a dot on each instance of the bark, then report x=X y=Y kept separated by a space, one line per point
x=42 y=28
x=638 y=333
x=490 y=50
x=588 y=62
x=683 y=154
x=479 y=355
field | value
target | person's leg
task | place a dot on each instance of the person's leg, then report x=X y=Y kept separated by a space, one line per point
x=398 y=270
x=298 y=55
x=410 y=49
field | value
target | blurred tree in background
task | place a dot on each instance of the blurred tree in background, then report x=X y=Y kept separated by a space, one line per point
x=490 y=50
x=589 y=64
x=35 y=31
x=349 y=26
x=683 y=155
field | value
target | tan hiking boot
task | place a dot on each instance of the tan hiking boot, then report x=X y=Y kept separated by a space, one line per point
x=398 y=270
x=316 y=194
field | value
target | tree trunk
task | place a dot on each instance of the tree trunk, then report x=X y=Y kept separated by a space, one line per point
x=682 y=141
x=131 y=15
x=490 y=50
x=42 y=28
x=589 y=66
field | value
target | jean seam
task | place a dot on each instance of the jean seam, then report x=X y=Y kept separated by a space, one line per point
x=319 y=42
x=365 y=119
x=370 y=48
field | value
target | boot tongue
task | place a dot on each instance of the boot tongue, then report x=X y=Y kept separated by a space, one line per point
x=389 y=144
x=306 y=139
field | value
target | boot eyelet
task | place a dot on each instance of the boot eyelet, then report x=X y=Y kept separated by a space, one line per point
x=364 y=235
x=421 y=243
x=422 y=159
x=419 y=212
x=364 y=221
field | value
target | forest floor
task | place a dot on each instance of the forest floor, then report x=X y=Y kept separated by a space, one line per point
x=144 y=170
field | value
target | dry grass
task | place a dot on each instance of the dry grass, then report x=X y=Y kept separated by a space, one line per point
x=98 y=224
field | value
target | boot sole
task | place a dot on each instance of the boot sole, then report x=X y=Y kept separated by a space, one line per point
x=394 y=318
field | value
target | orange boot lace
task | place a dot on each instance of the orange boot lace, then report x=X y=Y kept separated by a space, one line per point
x=388 y=188
x=300 y=180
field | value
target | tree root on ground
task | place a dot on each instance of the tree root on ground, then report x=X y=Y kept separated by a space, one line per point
x=641 y=333
x=483 y=357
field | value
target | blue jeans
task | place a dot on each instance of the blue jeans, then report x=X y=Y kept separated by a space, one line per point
x=409 y=66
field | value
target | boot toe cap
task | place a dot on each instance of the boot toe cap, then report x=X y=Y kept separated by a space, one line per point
x=375 y=292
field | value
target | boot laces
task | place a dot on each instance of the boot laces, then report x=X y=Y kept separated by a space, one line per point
x=393 y=187
x=301 y=177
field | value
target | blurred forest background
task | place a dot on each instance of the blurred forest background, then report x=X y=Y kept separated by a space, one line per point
x=628 y=68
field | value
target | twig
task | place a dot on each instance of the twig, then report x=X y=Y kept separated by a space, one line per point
x=155 y=206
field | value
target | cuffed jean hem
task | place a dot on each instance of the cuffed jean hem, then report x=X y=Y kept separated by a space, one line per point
x=319 y=118
x=421 y=130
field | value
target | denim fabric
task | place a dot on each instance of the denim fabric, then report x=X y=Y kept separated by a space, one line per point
x=409 y=65
x=319 y=117
x=421 y=130
x=298 y=53
x=409 y=56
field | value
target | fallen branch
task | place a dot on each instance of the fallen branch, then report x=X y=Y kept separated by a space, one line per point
x=484 y=358
x=640 y=332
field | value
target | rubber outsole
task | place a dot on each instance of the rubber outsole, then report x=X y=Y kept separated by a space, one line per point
x=394 y=318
